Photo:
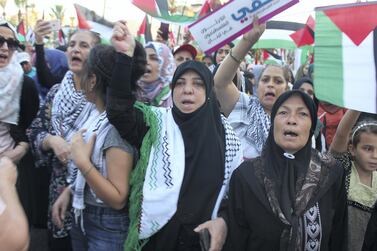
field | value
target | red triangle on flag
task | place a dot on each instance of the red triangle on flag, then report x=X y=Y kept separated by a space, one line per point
x=141 y=30
x=206 y=8
x=21 y=28
x=148 y=6
x=302 y=37
x=311 y=23
x=82 y=22
x=357 y=22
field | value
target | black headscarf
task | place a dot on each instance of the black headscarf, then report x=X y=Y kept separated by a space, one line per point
x=202 y=130
x=300 y=82
x=287 y=171
x=204 y=141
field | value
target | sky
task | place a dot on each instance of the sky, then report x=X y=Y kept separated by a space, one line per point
x=114 y=10
x=123 y=9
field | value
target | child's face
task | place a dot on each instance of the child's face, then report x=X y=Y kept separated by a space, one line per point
x=365 y=153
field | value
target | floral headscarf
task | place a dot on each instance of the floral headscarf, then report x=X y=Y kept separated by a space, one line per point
x=158 y=93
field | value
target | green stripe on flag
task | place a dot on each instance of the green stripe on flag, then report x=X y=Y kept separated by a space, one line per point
x=328 y=71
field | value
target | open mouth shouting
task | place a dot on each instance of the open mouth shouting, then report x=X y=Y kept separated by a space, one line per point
x=3 y=57
x=290 y=134
x=76 y=60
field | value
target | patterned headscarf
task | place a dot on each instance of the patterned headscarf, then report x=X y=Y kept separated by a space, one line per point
x=158 y=93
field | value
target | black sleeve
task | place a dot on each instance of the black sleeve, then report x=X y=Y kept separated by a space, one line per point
x=128 y=120
x=370 y=240
x=29 y=105
x=339 y=227
x=236 y=220
x=45 y=77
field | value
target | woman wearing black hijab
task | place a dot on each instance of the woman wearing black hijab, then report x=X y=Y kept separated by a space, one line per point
x=187 y=153
x=291 y=197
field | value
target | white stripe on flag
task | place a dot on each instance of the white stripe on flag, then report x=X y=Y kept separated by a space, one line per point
x=359 y=74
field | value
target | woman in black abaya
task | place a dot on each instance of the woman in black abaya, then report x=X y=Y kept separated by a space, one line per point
x=291 y=197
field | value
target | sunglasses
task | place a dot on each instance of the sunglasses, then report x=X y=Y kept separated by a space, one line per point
x=12 y=43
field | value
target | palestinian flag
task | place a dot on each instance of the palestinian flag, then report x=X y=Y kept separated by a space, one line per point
x=21 y=32
x=144 y=33
x=82 y=23
x=61 y=37
x=304 y=36
x=346 y=56
x=88 y=20
x=169 y=11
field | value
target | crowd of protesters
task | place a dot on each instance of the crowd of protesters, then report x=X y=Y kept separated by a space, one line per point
x=145 y=147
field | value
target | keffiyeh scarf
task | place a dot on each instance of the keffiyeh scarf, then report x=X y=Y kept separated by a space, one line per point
x=259 y=124
x=70 y=110
x=164 y=147
x=100 y=125
x=11 y=77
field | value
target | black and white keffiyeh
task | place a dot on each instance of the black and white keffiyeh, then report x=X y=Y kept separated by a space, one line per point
x=165 y=173
x=68 y=106
x=99 y=124
x=251 y=124
x=70 y=110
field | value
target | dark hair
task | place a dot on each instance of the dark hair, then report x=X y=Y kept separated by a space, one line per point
x=101 y=62
x=95 y=36
x=231 y=45
x=285 y=72
x=208 y=56
x=248 y=74
x=364 y=126
x=300 y=82
x=290 y=74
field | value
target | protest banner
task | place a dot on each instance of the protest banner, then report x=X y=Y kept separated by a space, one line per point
x=232 y=20
x=346 y=56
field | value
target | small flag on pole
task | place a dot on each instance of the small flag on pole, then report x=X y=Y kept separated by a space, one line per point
x=144 y=33
x=61 y=37
x=82 y=22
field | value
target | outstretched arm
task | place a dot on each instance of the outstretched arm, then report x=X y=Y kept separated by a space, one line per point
x=45 y=77
x=341 y=138
x=120 y=101
x=227 y=93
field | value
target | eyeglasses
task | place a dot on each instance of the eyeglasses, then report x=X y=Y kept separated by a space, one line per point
x=12 y=44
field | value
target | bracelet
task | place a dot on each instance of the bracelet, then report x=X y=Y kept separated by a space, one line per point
x=234 y=58
x=87 y=171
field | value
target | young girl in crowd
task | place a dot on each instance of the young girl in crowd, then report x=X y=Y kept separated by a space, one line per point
x=63 y=113
x=187 y=153
x=357 y=150
x=102 y=163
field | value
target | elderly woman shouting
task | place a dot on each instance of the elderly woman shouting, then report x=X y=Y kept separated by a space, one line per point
x=291 y=197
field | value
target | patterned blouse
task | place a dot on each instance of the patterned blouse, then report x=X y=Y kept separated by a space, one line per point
x=40 y=128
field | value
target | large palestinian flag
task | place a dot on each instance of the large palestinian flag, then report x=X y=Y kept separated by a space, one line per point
x=346 y=56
